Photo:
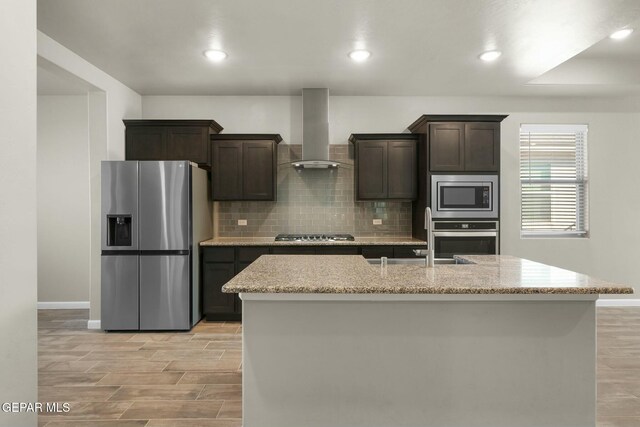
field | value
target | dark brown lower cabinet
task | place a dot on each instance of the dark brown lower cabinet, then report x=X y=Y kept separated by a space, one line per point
x=406 y=251
x=247 y=255
x=336 y=250
x=370 y=252
x=293 y=250
x=244 y=258
x=221 y=264
x=377 y=251
x=315 y=250
x=216 y=302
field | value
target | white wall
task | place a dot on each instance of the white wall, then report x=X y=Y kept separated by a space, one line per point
x=107 y=107
x=64 y=200
x=614 y=128
x=18 y=282
x=614 y=200
x=122 y=102
x=353 y=114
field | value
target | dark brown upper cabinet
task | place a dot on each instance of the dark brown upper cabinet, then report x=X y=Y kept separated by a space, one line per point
x=385 y=166
x=461 y=143
x=243 y=166
x=482 y=147
x=468 y=147
x=170 y=140
x=447 y=146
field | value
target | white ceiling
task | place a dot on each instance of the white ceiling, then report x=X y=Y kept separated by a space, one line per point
x=276 y=47
x=613 y=65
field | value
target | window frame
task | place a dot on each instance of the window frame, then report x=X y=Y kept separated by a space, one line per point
x=582 y=179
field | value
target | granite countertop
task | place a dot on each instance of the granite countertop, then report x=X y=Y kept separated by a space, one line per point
x=352 y=274
x=269 y=241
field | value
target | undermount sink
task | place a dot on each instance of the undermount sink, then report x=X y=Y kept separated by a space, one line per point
x=418 y=261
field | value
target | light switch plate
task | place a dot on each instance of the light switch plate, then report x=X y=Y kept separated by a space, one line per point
x=242 y=222
x=377 y=222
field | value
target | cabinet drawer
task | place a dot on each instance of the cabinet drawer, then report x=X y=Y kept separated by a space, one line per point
x=219 y=255
x=248 y=255
x=406 y=251
x=377 y=251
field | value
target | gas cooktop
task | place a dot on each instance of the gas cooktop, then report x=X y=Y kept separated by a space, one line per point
x=314 y=237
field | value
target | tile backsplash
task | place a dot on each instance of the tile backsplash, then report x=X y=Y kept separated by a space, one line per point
x=313 y=201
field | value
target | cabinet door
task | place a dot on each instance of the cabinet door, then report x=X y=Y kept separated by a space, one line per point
x=249 y=254
x=371 y=160
x=188 y=143
x=215 y=275
x=258 y=170
x=482 y=147
x=145 y=143
x=447 y=147
x=377 y=251
x=402 y=170
x=406 y=251
x=227 y=170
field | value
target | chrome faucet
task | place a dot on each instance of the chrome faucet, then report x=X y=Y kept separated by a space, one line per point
x=429 y=254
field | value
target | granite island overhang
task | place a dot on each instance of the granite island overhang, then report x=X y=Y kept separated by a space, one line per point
x=498 y=341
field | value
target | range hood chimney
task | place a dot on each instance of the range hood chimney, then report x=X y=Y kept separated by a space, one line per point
x=315 y=130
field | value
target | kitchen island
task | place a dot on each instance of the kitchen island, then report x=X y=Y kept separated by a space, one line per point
x=492 y=341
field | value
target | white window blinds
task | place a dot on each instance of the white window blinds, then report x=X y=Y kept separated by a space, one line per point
x=553 y=179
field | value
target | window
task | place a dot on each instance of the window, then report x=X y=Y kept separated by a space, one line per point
x=553 y=180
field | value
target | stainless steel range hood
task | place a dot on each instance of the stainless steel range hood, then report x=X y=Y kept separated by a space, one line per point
x=315 y=130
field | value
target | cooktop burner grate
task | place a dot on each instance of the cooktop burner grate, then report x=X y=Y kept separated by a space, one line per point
x=314 y=237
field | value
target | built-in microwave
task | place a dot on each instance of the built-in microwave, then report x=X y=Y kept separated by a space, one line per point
x=464 y=196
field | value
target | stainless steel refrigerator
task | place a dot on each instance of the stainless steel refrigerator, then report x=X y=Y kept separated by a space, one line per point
x=154 y=214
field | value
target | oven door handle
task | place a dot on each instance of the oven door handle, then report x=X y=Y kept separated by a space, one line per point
x=465 y=234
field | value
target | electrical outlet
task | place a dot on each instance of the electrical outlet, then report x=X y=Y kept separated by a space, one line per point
x=377 y=222
x=242 y=222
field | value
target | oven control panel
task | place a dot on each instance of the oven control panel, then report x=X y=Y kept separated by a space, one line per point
x=465 y=225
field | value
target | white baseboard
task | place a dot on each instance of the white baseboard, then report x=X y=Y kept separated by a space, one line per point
x=62 y=305
x=93 y=324
x=609 y=302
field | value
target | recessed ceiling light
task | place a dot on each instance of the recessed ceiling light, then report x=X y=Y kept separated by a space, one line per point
x=490 y=55
x=360 y=55
x=215 y=55
x=621 y=34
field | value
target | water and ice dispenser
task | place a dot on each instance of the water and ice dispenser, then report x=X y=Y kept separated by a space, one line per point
x=118 y=230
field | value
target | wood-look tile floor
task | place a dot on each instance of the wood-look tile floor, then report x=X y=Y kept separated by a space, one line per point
x=190 y=379
x=194 y=379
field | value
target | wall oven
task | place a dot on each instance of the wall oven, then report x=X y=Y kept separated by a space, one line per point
x=464 y=196
x=465 y=238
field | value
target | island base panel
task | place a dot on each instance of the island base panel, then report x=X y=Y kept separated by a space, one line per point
x=426 y=363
